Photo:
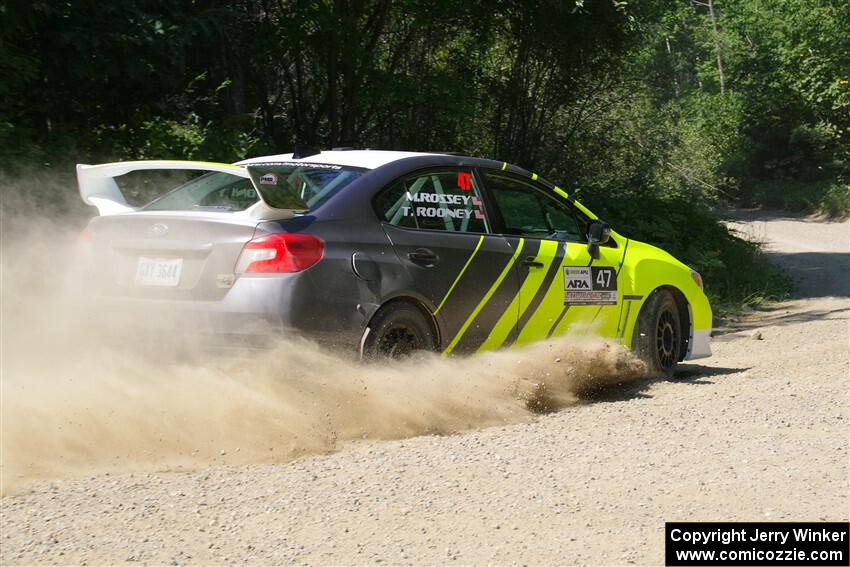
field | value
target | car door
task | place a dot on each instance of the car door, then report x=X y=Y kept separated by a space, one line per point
x=440 y=230
x=561 y=287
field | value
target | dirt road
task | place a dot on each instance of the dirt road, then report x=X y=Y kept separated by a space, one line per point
x=758 y=432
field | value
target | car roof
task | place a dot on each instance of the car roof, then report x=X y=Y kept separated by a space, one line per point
x=368 y=159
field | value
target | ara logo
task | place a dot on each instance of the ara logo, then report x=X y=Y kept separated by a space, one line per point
x=268 y=179
x=464 y=181
x=577 y=278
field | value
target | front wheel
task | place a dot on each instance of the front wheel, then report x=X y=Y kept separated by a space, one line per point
x=397 y=331
x=658 y=334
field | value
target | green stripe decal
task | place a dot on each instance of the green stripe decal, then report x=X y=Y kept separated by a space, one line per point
x=561 y=192
x=534 y=176
x=536 y=277
x=585 y=210
x=462 y=270
x=485 y=299
x=504 y=166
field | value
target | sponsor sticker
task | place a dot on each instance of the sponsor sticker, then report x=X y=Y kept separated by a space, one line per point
x=451 y=206
x=294 y=164
x=586 y=285
x=268 y=179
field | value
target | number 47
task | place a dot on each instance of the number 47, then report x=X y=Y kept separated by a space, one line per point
x=603 y=278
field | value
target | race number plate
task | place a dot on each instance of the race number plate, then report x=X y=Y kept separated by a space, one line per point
x=162 y=272
x=586 y=285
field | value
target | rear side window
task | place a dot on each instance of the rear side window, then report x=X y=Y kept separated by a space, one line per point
x=210 y=191
x=438 y=200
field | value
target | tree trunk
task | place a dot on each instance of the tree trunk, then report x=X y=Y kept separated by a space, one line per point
x=720 y=72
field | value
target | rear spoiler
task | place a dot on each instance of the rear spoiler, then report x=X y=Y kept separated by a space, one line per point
x=98 y=187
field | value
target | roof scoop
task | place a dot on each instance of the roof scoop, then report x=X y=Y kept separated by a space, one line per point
x=302 y=151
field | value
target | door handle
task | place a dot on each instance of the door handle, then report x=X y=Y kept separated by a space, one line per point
x=423 y=257
x=531 y=262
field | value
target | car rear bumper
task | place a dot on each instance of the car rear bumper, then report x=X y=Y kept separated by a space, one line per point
x=252 y=314
x=257 y=311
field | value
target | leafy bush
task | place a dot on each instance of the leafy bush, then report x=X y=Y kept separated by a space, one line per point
x=835 y=201
x=829 y=197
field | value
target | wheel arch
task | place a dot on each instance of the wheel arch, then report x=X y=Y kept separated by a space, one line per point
x=419 y=305
x=684 y=310
x=685 y=322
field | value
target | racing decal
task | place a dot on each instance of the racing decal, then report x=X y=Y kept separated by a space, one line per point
x=537 y=300
x=268 y=179
x=460 y=274
x=485 y=300
x=464 y=181
x=467 y=206
x=501 y=319
x=441 y=213
x=590 y=285
x=557 y=322
x=441 y=198
x=560 y=192
x=294 y=164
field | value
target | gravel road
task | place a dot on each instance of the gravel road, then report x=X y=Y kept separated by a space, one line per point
x=757 y=432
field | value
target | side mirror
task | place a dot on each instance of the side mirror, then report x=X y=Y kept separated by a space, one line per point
x=597 y=233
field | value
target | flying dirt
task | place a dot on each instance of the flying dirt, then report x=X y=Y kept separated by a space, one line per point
x=758 y=432
x=85 y=392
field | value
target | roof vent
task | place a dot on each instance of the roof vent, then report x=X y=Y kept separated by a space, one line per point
x=342 y=149
x=304 y=151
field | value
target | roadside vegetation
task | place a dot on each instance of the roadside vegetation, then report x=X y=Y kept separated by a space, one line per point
x=655 y=113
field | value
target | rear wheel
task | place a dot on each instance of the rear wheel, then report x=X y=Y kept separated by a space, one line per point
x=658 y=334
x=398 y=330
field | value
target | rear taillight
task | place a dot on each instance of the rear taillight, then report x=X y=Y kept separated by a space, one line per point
x=280 y=253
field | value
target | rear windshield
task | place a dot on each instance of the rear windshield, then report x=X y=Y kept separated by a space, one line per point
x=229 y=193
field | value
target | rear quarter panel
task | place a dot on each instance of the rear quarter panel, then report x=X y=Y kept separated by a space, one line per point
x=335 y=303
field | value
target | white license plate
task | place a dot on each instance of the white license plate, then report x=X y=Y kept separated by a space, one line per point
x=164 y=272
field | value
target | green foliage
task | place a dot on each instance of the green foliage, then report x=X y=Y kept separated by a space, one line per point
x=735 y=271
x=835 y=201
x=618 y=101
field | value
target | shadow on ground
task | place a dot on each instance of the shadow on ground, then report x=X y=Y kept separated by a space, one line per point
x=816 y=274
x=692 y=374
x=748 y=215
x=780 y=314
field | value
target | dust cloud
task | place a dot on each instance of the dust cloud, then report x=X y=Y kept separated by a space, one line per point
x=75 y=403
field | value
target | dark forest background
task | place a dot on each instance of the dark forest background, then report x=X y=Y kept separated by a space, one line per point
x=654 y=111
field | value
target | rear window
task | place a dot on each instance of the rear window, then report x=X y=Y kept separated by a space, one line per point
x=224 y=192
x=210 y=191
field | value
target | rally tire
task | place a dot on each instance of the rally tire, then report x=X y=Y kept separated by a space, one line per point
x=398 y=330
x=658 y=334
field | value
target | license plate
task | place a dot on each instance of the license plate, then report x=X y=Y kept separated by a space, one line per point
x=163 y=272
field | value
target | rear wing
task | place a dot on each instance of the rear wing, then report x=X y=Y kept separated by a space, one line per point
x=98 y=187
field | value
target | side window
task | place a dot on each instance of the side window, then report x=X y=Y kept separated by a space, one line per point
x=438 y=200
x=529 y=211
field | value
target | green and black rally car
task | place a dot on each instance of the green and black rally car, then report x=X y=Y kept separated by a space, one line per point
x=386 y=252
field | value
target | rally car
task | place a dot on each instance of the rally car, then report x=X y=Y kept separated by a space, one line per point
x=386 y=252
